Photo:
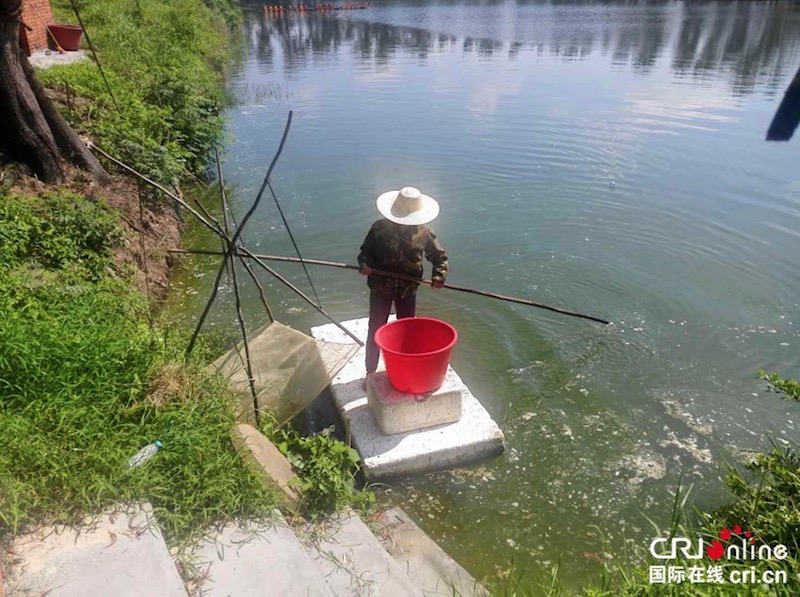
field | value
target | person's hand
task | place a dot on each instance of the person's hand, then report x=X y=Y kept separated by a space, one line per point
x=364 y=270
x=437 y=284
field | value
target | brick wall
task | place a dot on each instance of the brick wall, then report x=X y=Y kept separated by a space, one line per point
x=37 y=14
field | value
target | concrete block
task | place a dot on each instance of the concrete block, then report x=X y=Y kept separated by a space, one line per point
x=257 y=561
x=421 y=558
x=267 y=462
x=117 y=553
x=396 y=412
x=353 y=561
x=473 y=437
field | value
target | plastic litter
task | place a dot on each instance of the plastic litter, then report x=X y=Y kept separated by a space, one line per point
x=144 y=454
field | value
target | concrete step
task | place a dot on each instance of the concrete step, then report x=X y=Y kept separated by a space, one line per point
x=353 y=562
x=433 y=570
x=256 y=561
x=120 y=553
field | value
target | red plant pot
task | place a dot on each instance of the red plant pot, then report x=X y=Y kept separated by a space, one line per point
x=66 y=36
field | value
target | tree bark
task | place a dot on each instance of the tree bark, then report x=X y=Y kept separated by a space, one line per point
x=32 y=127
x=29 y=137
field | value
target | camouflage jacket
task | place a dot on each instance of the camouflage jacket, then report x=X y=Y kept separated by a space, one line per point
x=397 y=248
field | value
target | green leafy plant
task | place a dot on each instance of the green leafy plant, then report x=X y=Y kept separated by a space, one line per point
x=765 y=501
x=326 y=468
x=58 y=231
x=788 y=386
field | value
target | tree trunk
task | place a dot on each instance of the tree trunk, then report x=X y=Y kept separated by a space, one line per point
x=28 y=135
x=66 y=138
x=32 y=127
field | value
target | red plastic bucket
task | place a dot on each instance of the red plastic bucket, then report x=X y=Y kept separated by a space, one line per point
x=416 y=351
x=67 y=36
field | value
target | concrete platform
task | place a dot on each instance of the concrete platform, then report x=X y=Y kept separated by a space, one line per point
x=353 y=562
x=398 y=412
x=473 y=437
x=44 y=59
x=118 y=553
x=421 y=558
x=262 y=561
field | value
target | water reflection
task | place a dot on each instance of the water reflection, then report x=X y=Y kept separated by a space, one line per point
x=750 y=43
x=750 y=40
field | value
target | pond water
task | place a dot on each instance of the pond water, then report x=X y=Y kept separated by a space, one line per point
x=607 y=157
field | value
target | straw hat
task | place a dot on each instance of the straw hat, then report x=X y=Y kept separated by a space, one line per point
x=408 y=206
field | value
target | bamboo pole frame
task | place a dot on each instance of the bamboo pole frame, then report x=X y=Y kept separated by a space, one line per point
x=232 y=250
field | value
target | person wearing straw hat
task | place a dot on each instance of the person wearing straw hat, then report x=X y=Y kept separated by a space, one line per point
x=396 y=243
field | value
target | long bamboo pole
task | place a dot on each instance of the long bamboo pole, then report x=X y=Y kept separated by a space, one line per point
x=485 y=293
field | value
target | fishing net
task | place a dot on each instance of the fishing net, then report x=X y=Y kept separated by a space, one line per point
x=290 y=369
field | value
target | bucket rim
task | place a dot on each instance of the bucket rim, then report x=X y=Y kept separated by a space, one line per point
x=449 y=346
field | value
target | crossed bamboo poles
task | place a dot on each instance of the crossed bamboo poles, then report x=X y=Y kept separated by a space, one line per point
x=233 y=247
x=233 y=250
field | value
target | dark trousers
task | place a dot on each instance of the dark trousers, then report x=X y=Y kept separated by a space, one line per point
x=379 y=308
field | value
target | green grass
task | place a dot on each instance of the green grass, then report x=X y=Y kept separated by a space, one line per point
x=57 y=231
x=164 y=62
x=85 y=383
